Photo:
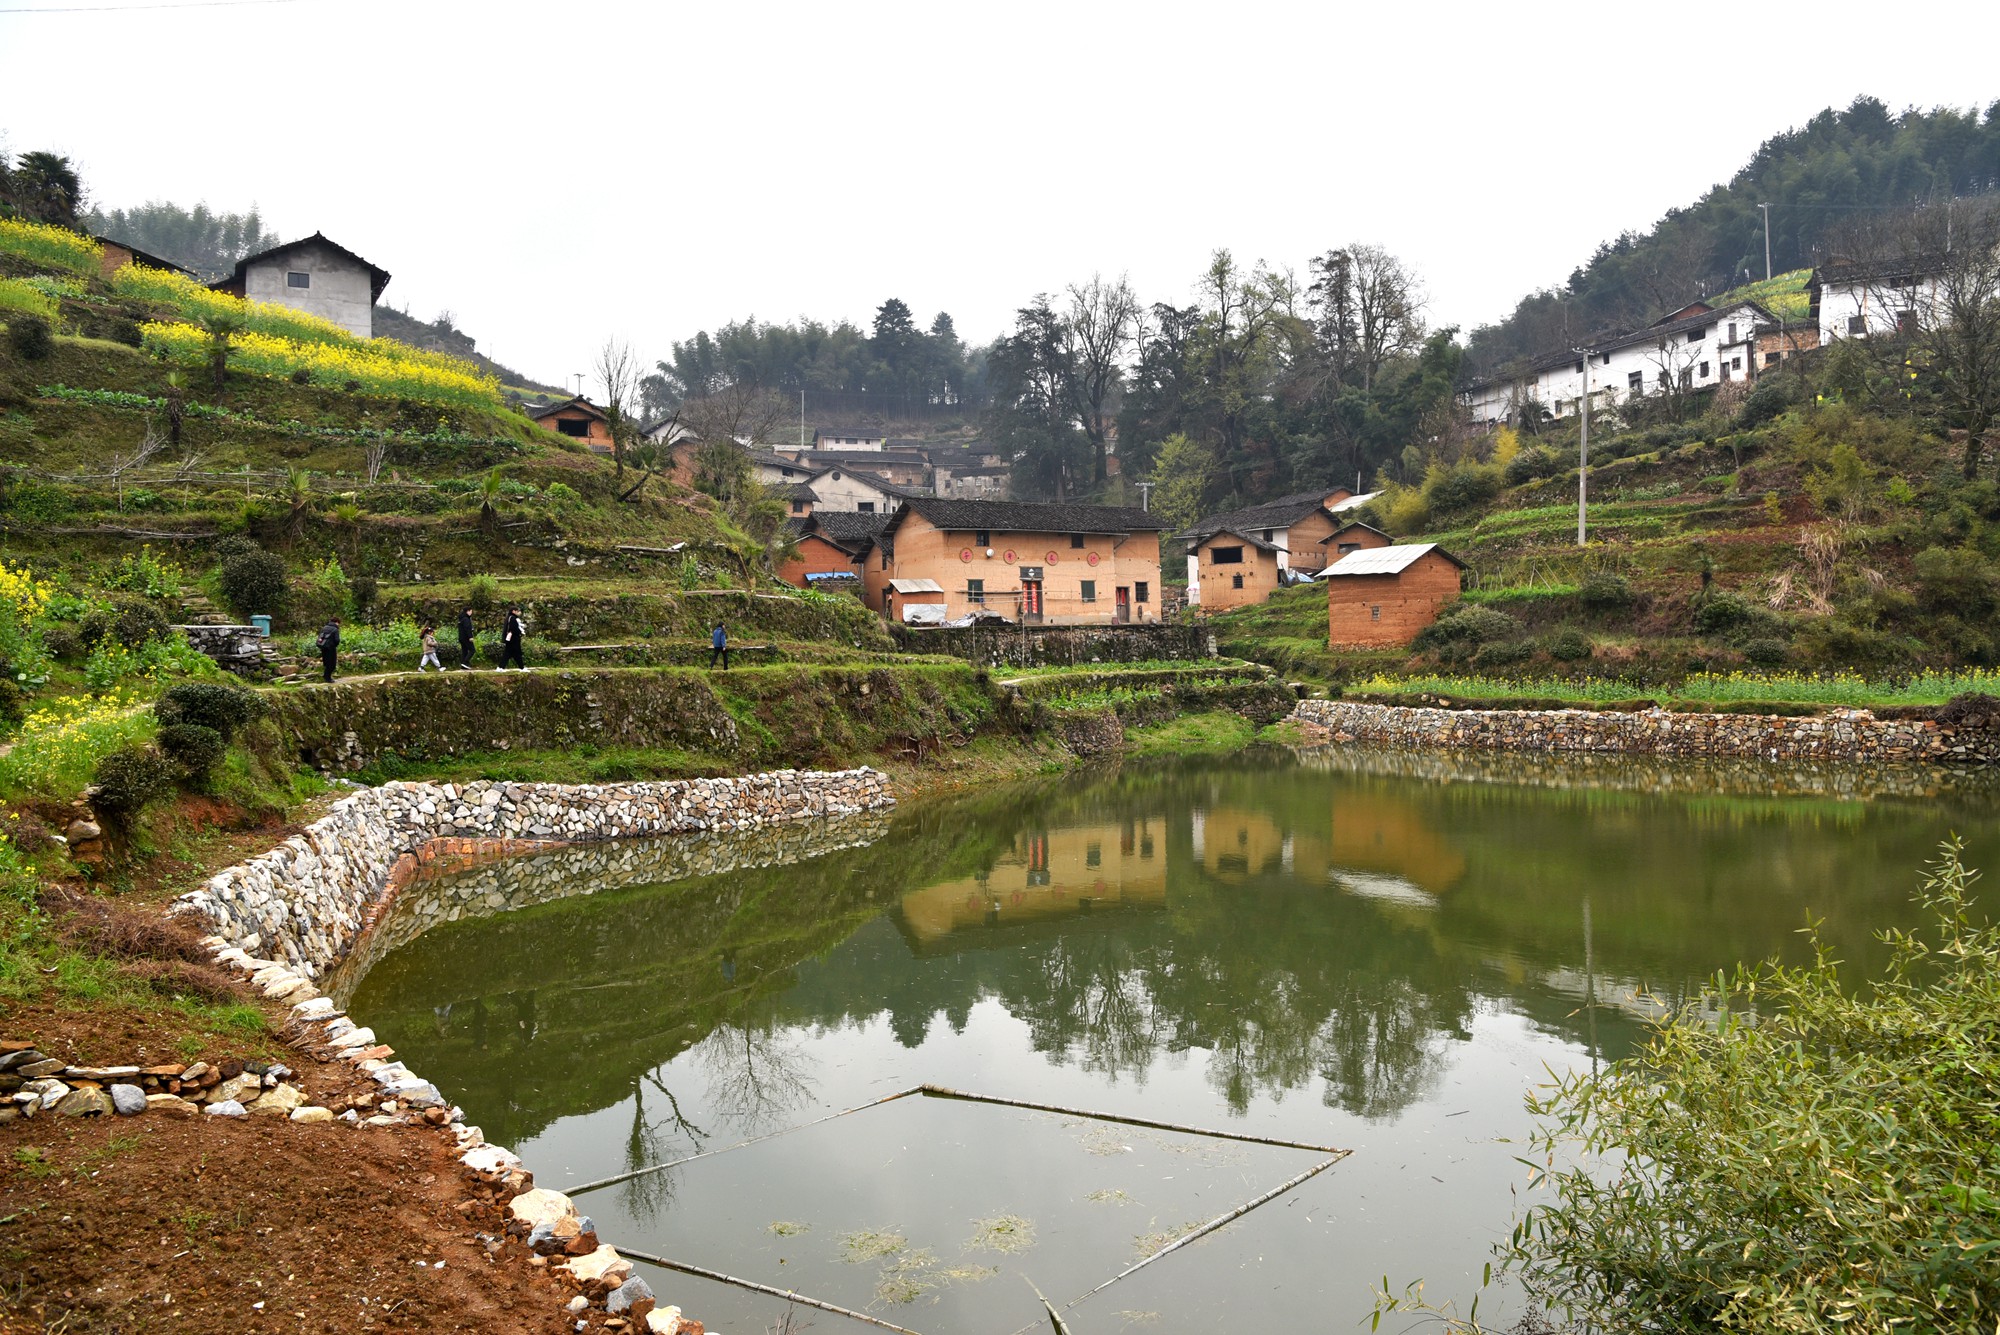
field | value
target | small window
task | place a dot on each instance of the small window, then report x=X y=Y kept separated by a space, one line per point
x=1579 y=368
x=573 y=427
x=1089 y=587
x=1770 y=359
x=975 y=591
x=1906 y=322
x=798 y=507
x=1225 y=556
x=1375 y=613
x=1093 y=855
x=1076 y=542
x=1347 y=547
x=298 y=280
x=1270 y=535
x=1736 y=363
x=1857 y=324
x=1732 y=331
x=1236 y=581
x=1704 y=370
x=868 y=507
x=1142 y=592
x=1635 y=381
x=982 y=538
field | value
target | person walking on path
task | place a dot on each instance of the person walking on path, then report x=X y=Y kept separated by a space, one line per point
x=718 y=646
x=329 y=648
x=429 y=640
x=465 y=638
x=510 y=641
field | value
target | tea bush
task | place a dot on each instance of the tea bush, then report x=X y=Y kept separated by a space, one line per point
x=129 y=778
x=255 y=582
x=194 y=748
x=211 y=705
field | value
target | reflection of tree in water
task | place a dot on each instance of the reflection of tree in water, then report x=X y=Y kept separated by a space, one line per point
x=755 y=1074
x=656 y=1135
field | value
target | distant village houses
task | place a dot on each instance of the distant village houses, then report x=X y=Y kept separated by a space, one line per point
x=1241 y=556
x=1382 y=597
x=317 y=276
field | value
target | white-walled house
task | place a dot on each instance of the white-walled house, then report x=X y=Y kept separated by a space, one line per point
x=1858 y=299
x=1697 y=346
x=849 y=438
x=843 y=489
x=317 y=276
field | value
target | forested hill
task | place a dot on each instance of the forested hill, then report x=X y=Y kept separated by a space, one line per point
x=1823 y=181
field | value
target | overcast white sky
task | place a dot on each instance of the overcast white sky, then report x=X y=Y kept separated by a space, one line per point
x=557 y=173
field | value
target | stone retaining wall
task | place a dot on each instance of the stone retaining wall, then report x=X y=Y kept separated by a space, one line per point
x=1056 y=646
x=1842 y=735
x=306 y=902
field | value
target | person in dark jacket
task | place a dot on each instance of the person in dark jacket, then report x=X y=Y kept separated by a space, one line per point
x=718 y=646
x=510 y=641
x=329 y=648
x=465 y=638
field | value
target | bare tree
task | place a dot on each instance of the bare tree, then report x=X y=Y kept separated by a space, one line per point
x=619 y=372
x=1370 y=308
x=378 y=450
x=126 y=460
x=1099 y=322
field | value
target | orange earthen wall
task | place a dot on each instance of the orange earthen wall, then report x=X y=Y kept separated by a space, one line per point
x=1407 y=603
x=926 y=552
x=816 y=556
x=1218 y=590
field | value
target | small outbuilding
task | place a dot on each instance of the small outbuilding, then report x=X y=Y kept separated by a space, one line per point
x=1381 y=597
x=1354 y=537
x=578 y=418
x=1235 y=569
x=317 y=276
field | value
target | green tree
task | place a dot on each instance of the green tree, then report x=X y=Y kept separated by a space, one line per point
x=208 y=243
x=1182 y=473
x=41 y=187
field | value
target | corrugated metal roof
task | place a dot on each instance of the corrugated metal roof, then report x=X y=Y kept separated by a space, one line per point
x=1385 y=560
x=916 y=586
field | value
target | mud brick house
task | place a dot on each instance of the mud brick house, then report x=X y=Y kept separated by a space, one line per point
x=1291 y=528
x=1382 y=596
x=1070 y=565
x=1355 y=537
x=117 y=254
x=316 y=276
x=1233 y=570
x=832 y=544
x=579 y=419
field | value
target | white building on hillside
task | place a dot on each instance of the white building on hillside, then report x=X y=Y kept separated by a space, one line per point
x=316 y=276
x=1858 y=299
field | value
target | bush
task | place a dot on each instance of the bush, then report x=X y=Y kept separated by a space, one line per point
x=1502 y=653
x=195 y=749
x=255 y=582
x=1766 y=651
x=1467 y=623
x=1957 y=579
x=1605 y=591
x=128 y=778
x=1770 y=398
x=30 y=336
x=235 y=544
x=1569 y=645
x=482 y=592
x=1529 y=465
x=223 y=709
x=362 y=591
x=1461 y=488
x=129 y=621
x=1732 y=616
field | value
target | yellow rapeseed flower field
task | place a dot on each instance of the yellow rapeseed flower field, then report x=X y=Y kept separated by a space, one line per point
x=373 y=369
x=45 y=243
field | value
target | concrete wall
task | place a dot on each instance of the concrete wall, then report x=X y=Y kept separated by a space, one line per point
x=1379 y=610
x=842 y=490
x=1840 y=736
x=340 y=289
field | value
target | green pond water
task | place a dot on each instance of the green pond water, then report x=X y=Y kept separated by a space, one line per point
x=1364 y=951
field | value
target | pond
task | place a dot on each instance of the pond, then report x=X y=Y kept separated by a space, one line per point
x=1337 y=949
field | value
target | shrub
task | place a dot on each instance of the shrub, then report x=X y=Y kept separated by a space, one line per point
x=128 y=778
x=255 y=582
x=235 y=544
x=1535 y=463
x=30 y=336
x=1502 y=653
x=362 y=590
x=1770 y=398
x=1569 y=645
x=1467 y=623
x=1605 y=591
x=1957 y=579
x=211 y=705
x=1729 y=615
x=195 y=749
x=482 y=592
x=1461 y=487
x=129 y=621
x=1766 y=651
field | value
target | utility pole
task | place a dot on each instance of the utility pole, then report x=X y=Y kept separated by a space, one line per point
x=1583 y=456
x=1767 y=241
x=1145 y=494
x=578 y=377
x=802 y=419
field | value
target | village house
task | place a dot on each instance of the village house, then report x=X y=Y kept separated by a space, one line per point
x=1862 y=299
x=1070 y=565
x=115 y=255
x=1353 y=537
x=1697 y=347
x=849 y=438
x=830 y=547
x=1382 y=596
x=863 y=493
x=902 y=468
x=578 y=418
x=775 y=470
x=1285 y=533
x=799 y=498
x=316 y=276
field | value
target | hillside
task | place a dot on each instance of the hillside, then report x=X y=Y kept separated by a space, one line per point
x=441 y=335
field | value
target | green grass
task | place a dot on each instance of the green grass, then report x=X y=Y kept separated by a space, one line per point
x=1518 y=593
x=1736 y=688
x=1193 y=734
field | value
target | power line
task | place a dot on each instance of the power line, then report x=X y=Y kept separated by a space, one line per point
x=120 y=9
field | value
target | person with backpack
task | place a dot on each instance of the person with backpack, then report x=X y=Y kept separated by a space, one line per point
x=329 y=648
x=465 y=639
x=510 y=641
x=428 y=640
x=718 y=646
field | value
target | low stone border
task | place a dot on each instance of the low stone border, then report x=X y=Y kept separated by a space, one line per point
x=1840 y=735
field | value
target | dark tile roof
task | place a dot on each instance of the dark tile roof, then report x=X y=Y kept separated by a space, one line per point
x=378 y=277
x=540 y=410
x=1030 y=516
x=151 y=261
x=792 y=491
x=843 y=528
x=1876 y=270
x=1250 y=538
x=1349 y=528
x=1281 y=513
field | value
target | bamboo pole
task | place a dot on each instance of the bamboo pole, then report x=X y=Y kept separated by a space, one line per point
x=787 y=1294
x=942 y=1092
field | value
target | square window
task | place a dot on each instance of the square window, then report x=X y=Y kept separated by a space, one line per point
x=975 y=590
x=982 y=538
x=1236 y=581
x=1142 y=592
x=1076 y=542
x=1225 y=556
x=1857 y=324
x=1770 y=359
x=1089 y=590
x=298 y=280
x=866 y=507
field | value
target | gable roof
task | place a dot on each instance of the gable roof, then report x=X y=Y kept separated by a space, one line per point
x=139 y=256
x=1386 y=560
x=538 y=411
x=1027 y=516
x=1281 y=513
x=792 y=491
x=1349 y=528
x=1251 y=539
x=378 y=277
x=1844 y=272
x=846 y=529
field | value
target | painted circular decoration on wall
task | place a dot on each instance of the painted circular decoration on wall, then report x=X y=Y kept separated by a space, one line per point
x=1092 y=558
x=1010 y=556
x=1051 y=558
x=965 y=553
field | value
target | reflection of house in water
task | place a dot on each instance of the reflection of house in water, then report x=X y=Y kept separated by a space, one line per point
x=1374 y=846
x=1047 y=874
